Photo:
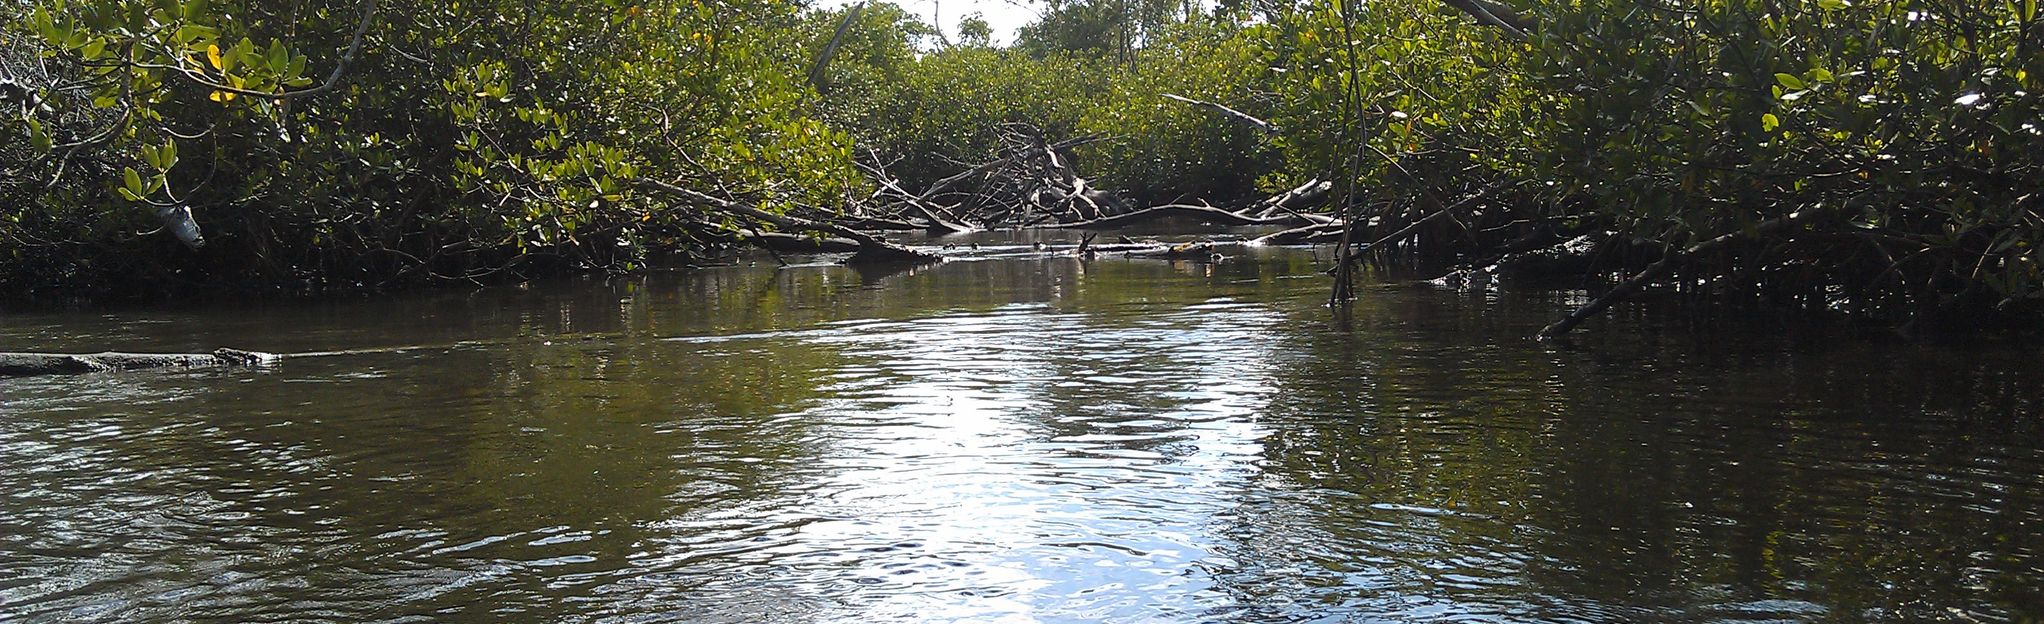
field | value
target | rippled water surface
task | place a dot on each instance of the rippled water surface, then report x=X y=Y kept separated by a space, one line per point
x=1015 y=440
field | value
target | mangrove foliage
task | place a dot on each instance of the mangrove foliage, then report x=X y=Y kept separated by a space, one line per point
x=1870 y=156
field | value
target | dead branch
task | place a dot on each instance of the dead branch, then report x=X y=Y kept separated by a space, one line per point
x=1207 y=213
x=872 y=249
x=830 y=49
x=1009 y=159
x=1243 y=117
x=1312 y=193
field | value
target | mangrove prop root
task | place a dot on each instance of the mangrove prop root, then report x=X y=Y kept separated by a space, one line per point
x=1654 y=271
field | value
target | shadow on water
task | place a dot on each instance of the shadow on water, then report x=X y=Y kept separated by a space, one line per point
x=1021 y=439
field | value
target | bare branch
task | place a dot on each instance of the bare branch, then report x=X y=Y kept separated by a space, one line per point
x=1247 y=118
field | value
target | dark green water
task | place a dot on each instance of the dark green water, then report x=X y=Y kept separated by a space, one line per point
x=1019 y=440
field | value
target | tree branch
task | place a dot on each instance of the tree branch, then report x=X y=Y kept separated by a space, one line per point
x=1243 y=117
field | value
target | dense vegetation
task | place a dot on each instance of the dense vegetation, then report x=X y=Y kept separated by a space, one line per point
x=453 y=140
x=1876 y=155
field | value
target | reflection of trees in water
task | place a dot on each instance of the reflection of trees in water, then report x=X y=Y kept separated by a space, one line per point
x=1651 y=472
x=1428 y=457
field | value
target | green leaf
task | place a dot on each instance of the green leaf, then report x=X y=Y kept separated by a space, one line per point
x=169 y=154
x=1820 y=74
x=45 y=26
x=197 y=34
x=1789 y=80
x=277 y=57
x=1832 y=5
x=194 y=9
x=38 y=137
x=1769 y=122
x=132 y=180
x=94 y=48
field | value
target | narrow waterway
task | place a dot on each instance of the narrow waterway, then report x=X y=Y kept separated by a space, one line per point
x=1015 y=440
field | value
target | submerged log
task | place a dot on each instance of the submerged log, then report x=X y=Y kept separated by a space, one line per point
x=30 y=364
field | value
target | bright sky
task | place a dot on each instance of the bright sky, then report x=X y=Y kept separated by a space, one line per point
x=1004 y=15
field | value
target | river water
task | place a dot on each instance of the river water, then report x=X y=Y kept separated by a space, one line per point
x=1016 y=440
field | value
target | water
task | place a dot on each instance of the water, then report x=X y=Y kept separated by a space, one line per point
x=1015 y=440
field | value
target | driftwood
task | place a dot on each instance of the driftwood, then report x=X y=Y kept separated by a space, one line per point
x=28 y=364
